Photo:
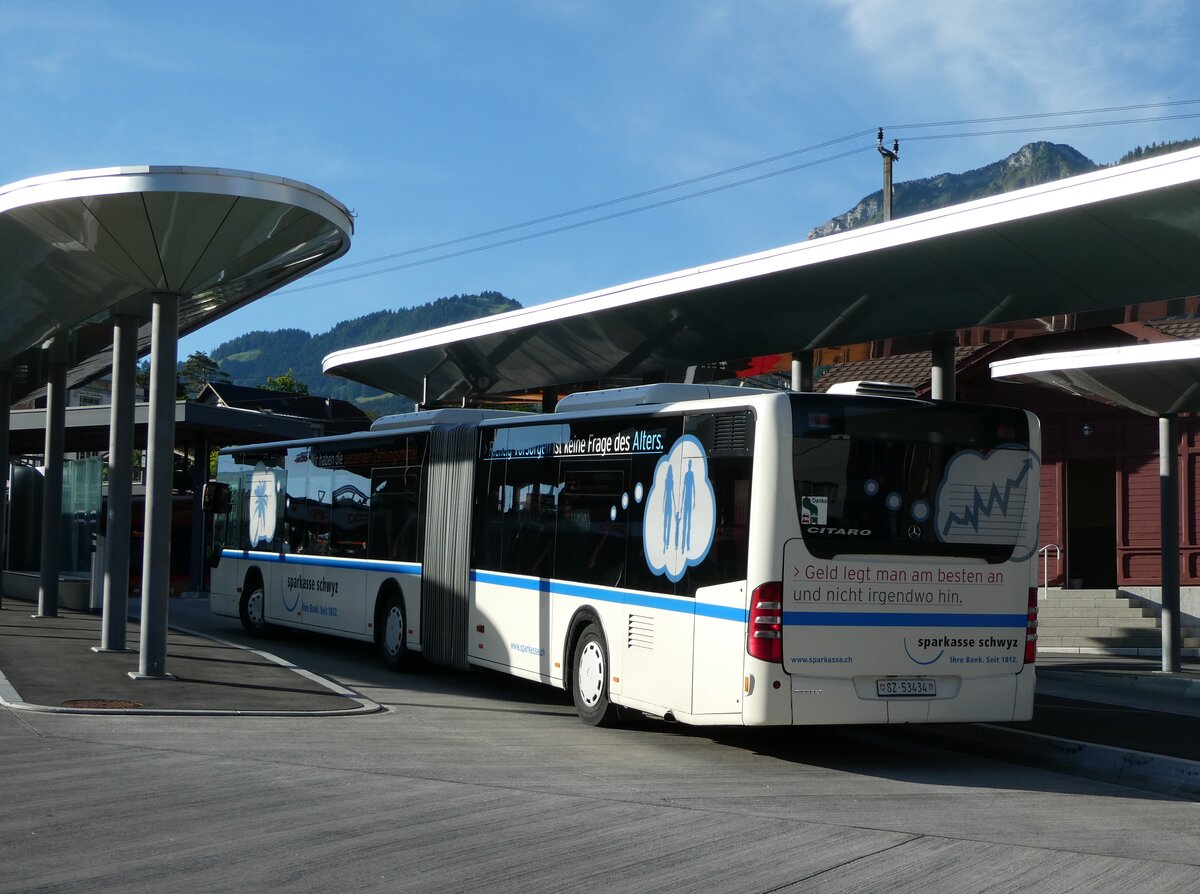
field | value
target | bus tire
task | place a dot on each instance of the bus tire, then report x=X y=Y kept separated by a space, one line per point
x=390 y=632
x=589 y=678
x=253 y=607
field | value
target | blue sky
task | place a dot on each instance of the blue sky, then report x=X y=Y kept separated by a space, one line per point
x=438 y=120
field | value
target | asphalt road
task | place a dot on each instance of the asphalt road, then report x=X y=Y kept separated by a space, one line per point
x=480 y=782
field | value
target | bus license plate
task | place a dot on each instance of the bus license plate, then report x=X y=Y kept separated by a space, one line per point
x=900 y=686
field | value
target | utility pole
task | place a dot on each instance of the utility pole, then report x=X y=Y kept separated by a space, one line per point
x=889 y=156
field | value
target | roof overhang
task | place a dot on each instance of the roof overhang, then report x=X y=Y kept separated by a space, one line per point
x=1087 y=247
x=87 y=427
x=1157 y=379
x=78 y=249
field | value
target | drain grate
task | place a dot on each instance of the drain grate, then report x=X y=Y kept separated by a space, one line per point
x=112 y=704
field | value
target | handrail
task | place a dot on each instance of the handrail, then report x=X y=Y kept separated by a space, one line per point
x=1045 y=552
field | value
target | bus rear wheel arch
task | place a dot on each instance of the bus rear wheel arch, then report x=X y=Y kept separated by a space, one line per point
x=391 y=631
x=252 y=607
x=590 y=671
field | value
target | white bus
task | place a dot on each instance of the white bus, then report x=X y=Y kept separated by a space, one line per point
x=706 y=554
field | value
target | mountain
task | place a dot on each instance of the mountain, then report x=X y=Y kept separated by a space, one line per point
x=250 y=358
x=1030 y=165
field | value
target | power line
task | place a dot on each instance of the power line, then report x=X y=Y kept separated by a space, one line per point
x=1044 y=127
x=733 y=184
x=586 y=208
x=1033 y=115
x=577 y=224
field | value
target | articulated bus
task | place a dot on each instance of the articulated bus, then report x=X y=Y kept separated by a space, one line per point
x=705 y=554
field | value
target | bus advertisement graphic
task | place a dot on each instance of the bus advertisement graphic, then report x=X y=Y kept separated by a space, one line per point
x=681 y=511
x=262 y=506
x=983 y=499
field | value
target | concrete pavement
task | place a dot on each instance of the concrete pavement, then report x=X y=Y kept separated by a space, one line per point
x=1116 y=719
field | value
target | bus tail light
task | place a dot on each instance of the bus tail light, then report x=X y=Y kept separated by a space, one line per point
x=765 y=638
x=1031 y=619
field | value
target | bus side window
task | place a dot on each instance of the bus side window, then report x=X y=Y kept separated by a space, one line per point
x=529 y=507
x=727 y=557
x=350 y=503
x=394 y=521
x=592 y=531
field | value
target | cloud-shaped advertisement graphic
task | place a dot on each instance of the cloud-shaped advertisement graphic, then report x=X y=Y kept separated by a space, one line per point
x=681 y=511
x=990 y=499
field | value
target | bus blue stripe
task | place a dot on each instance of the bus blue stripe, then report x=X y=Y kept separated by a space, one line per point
x=902 y=619
x=324 y=561
x=681 y=604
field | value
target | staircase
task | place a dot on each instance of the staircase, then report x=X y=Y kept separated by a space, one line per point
x=1103 y=622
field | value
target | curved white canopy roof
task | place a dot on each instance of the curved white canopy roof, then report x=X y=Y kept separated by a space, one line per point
x=1157 y=379
x=79 y=247
x=1088 y=246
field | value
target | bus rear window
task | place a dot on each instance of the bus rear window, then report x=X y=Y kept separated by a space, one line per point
x=892 y=478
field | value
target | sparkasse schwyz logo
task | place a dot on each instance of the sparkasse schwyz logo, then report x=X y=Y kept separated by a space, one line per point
x=681 y=511
x=262 y=506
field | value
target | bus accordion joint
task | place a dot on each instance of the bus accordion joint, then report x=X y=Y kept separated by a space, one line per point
x=1031 y=624
x=765 y=640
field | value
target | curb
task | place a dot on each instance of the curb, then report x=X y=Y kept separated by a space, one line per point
x=1120 y=766
x=1165 y=684
x=10 y=698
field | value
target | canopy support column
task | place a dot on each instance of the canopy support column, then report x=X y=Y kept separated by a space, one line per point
x=160 y=442
x=52 y=489
x=120 y=484
x=5 y=424
x=199 y=478
x=941 y=374
x=802 y=371
x=1168 y=477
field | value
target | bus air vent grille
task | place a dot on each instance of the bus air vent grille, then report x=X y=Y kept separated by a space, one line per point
x=640 y=632
x=729 y=432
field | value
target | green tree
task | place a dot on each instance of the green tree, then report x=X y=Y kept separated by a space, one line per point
x=287 y=383
x=199 y=370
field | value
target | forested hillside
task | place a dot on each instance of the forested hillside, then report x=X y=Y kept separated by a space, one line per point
x=1030 y=165
x=249 y=359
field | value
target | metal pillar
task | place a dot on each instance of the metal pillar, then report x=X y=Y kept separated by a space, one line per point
x=199 y=478
x=120 y=485
x=549 y=399
x=802 y=371
x=5 y=415
x=941 y=374
x=160 y=443
x=1168 y=478
x=52 y=490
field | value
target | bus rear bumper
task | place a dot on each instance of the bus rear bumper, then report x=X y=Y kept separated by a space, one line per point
x=1005 y=697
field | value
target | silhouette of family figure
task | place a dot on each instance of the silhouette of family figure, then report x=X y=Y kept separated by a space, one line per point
x=680 y=513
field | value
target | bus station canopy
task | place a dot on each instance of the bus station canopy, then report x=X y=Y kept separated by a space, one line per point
x=1075 y=253
x=79 y=249
x=1156 y=379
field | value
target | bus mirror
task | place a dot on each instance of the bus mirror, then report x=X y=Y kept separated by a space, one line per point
x=217 y=498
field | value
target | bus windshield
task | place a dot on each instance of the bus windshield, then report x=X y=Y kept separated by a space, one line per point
x=911 y=478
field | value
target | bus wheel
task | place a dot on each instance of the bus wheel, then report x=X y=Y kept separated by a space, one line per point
x=390 y=632
x=589 y=682
x=253 y=609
